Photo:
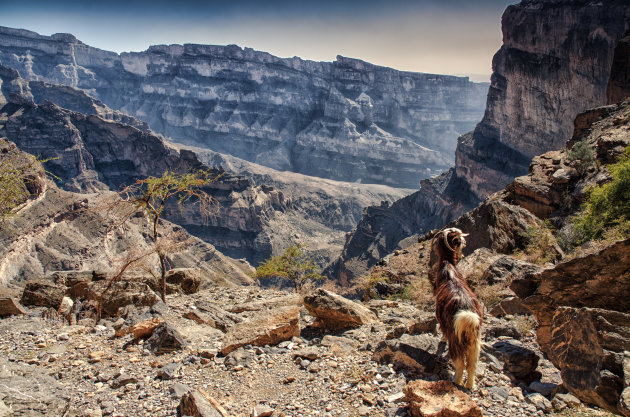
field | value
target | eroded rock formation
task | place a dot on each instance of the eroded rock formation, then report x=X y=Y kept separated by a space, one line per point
x=555 y=62
x=346 y=120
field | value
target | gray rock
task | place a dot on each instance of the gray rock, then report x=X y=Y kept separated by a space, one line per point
x=418 y=353
x=29 y=390
x=518 y=360
x=213 y=315
x=538 y=401
x=178 y=390
x=545 y=388
x=499 y=393
x=238 y=357
x=164 y=339
x=168 y=371
x=262 y=410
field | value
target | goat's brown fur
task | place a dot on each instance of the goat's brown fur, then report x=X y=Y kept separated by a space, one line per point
x=457 y=309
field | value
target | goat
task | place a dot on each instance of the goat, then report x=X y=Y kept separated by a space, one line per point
x=458 y=310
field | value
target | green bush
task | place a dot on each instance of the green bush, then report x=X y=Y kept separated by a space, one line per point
x=582 y=156
x=541 y=244
x=292 y=265
x=607 y=207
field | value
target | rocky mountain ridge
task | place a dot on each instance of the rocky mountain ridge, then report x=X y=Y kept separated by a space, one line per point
x=60 y=230
x=539 y=85
x=346 y=120
x=97 y=150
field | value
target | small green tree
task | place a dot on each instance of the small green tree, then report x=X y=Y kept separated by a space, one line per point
x=582 y=156
x=151 y=195
x=292 y=265
x=607 y=206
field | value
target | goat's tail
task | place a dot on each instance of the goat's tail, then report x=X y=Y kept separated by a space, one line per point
x=467 y=326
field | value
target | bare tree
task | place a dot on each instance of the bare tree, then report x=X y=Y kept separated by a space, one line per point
x=151 y=196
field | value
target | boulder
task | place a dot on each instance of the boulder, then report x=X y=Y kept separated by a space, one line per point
x=10 y=306
x=267 y=328
x=186 y=280
x=213 y=315
x=336 y=312
x=510 y=306
x=43 y=293
x=518 y=360
x=439 y=399
x=76 y=282
x=194 y=404
x=165 y=339
x=140 y=330
x=581 y=345
x=584 y=321
x=507 y=268
x=123 y=293
x=418 y=353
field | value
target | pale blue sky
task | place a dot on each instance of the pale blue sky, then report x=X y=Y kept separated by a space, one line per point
x=449 y=36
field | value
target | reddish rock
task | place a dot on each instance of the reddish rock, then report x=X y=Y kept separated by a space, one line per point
x=439 y=399
x=43 y=293
x=140 y=330
x=267 y=328
x=336 y=312
x=10 y=306
x=194 y=404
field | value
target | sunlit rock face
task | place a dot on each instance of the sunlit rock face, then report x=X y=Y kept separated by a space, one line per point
x=346 y=120
x=555 y=63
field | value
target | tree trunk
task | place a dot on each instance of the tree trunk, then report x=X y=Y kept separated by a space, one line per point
x=156 y=221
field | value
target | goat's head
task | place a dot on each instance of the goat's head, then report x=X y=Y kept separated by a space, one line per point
x=449 y=243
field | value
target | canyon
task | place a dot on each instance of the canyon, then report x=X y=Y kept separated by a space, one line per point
x=555 y=62
x=345 y=120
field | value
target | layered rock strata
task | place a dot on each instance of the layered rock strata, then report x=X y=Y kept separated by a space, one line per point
x=347 y=120
x=61 y=230
x=88 y=154
x=555 y=62
x=97 y=150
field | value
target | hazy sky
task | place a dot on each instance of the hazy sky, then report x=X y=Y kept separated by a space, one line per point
x=447 y=36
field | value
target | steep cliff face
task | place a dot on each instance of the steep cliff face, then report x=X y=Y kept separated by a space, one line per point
x=347 y=120
x=255 y=218
x=90 y=154
x=555 y=62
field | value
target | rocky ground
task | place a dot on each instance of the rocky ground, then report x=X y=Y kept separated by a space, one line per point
x=48 y=367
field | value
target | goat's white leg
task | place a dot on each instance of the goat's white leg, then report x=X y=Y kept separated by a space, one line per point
x=459 y=370
x=471 y=370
